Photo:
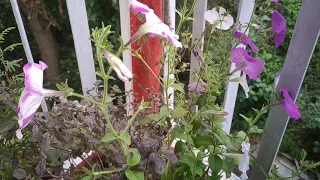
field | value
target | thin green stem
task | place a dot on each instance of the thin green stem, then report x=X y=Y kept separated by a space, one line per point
x=107 y=172
x=130 y=122
x=84 y=97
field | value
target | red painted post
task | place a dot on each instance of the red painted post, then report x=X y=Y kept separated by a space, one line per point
x=145 y=84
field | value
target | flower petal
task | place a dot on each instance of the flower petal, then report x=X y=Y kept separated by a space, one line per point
x=245 y=40
x=34 y=76
x=226 y=23
x=139 y=7
x=279 y=38
x=249 y=65
x=278 y=22
x=122 y=71
x=288 y=104
x=197 y=87
x=275 y=1
x=211 y=15
x=28 y=104
x=244 y=161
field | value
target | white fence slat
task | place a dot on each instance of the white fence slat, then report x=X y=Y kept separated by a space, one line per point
x=81 y=34
x=127 y=58
x=24 y=40
x=244 y=15
x=170 y=90
x=197 y=30
x=303 y=42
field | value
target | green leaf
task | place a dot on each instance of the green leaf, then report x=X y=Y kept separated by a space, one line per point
x=255 y=130
x=109 y=137
x=242 y=136
x=87 y=171
x=178 y=132
x=155 y=117
x=188 y=159
x=202 y=140
x=227 y=168
x=52 y=156
x=86 y=178
x=167 y=174
x=126 y=139
x=179 y=112
x=109 y=99
x=179 y=87
x=60 y=88
x=215 y=164
x=134 y=158
x=179 y=147
x=134 y=175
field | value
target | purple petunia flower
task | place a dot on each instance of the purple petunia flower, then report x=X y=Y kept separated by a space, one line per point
x=279 y=26
x=197 y=87
x=244 y=62
x=245 y=40
x=32 y=94
x=288 y=104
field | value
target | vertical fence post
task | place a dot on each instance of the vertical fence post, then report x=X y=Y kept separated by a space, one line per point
x=81 y=34
x=24 y=40
x=198 y=27
x=171 y=6
x=127 y=59
x=245 y=11
x=303 y=42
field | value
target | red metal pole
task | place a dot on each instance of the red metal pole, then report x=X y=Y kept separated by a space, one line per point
x=145 y=84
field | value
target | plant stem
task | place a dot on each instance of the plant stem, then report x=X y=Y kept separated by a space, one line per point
x=84 y=97
x=130 y=122
x=107 y=172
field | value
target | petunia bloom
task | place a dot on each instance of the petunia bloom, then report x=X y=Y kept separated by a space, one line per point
x=244 y=161
x=197 y=87
x=244 y=62
x=288 y=104
x=117 y=65
x=153 y=25
x=279 y=26
x=245 y=40
x=32 y=94
x=242 y=80
x=220 y=19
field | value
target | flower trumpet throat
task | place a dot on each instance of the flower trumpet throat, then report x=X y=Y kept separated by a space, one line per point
x=118 y=66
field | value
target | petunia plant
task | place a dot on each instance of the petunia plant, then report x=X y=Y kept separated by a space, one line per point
x=189 y=142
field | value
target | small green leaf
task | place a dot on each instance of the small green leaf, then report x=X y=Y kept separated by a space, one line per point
x=242 y=136
x=52 y=156
x=60 y=88
x=167 y=174
x=86 y=178
x=126 y=139
x=134 y=175
x=134 y=158
x=108 y=137
x=255 y=130
x=179 y=112
x=187 y=159
x=178 y=87
x=178 y=132
x=202 y=140
x=215 y=164
x=87 y=171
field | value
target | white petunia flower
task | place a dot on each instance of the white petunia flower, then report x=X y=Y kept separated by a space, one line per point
x=220 y=19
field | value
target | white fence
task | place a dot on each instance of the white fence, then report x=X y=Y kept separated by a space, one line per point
x=299 y=54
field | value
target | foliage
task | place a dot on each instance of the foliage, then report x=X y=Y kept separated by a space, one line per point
x=184 y=142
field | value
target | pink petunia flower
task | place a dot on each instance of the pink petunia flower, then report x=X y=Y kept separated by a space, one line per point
x=246 y=63
x=279 y=26
x=288 y=104
x=32 y=94
x=117 y=65
x=245 y=40
x=153 y=25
